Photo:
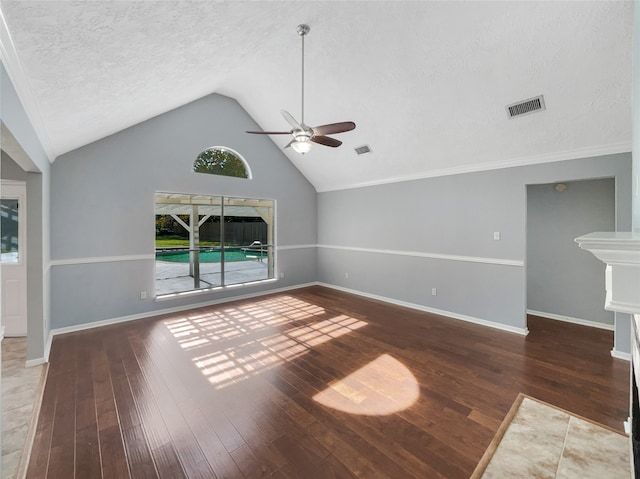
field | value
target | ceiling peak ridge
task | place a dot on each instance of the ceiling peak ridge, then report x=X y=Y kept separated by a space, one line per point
x=15 y=70
x=575 y=154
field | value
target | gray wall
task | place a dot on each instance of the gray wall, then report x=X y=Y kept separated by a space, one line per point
x=10 y=170
x=385 y=237
x=102 y=206
x=20 y=138
x=562 y=279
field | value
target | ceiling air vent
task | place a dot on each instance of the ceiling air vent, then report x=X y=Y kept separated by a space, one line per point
x=361 y=150
x=525 y=107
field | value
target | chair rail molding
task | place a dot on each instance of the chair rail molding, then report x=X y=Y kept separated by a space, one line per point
x=620 y=251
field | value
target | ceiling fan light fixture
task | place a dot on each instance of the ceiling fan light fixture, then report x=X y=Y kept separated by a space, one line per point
x=301 y=142
x=302 y=145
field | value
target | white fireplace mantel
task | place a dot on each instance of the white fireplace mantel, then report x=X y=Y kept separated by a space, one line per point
x=620 y=251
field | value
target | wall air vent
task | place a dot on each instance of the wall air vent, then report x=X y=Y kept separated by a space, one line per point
x=525 y=107
x=361 y=150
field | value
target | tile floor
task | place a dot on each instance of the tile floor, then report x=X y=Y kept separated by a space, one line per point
x=545 y=442
x=20 y=393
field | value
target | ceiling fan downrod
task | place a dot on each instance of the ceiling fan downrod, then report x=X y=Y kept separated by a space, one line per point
x=302 y=30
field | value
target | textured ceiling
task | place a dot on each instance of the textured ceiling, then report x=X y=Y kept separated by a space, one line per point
x=426 y=82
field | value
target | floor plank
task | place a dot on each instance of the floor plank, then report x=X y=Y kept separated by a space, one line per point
x=308 y=383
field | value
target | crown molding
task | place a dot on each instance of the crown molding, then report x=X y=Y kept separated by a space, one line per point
x=11 y=62
x=576 y=154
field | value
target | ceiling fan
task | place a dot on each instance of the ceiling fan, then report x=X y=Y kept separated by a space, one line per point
x=304 y=135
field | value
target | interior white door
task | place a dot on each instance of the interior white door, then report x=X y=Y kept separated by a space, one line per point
x=13 y=258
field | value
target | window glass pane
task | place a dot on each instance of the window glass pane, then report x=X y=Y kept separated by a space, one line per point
x=248 y=253
x=220 y=161
x=206 y=241
x=185 y=260
x=9 y=230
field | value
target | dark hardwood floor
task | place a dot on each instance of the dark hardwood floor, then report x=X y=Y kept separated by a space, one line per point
x=312 y=383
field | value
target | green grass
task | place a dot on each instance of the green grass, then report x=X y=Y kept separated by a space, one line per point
x=181 y=242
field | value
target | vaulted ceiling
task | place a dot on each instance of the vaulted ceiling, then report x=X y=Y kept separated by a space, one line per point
x=426 y=82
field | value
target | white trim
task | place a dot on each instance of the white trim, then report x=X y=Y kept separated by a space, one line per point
x=569 y=319
x=159 y=312
x=440 y=312
x=18 y=190
x=622 y=307
x=141 y=257
x=102 y=259
x=611 y=149
x=620 y=355
x=296 y=246
x=413 y=254
x=34 y=362
x=20 y=80
x=421 y=254
x=47 y=347
x=18 y=183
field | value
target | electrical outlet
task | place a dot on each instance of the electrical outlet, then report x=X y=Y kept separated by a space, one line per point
x=434 y=292
x=496 y=235
x=143 y=295
x=346 y=275
x=281 y=274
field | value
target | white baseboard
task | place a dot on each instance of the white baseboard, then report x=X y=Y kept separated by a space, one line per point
x=148 y=314
x=569 y=319
x=47 y=347
x=440 y=312
x=158 y=312
x=620 y=355
x=34 y=362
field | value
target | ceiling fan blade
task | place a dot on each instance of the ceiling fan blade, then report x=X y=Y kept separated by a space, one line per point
x=270 y=132
x=326 y=141
x=289 y=144
x=291 y=120
x=334 y=128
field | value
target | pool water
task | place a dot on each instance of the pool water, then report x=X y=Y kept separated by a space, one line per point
x=230 y=255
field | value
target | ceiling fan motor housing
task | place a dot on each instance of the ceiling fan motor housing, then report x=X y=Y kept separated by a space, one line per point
x=302 y=135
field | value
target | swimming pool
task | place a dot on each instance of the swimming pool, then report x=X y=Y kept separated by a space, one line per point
x=230 y=255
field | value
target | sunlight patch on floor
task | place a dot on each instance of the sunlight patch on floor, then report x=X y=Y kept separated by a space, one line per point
x=382 y=387
x=242 y=341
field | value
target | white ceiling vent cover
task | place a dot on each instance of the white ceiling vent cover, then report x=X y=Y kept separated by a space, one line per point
x=525 y=107
x=361 y=150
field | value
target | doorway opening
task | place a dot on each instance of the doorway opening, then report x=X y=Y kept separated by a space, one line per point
x=13 y=257
x=564 y=282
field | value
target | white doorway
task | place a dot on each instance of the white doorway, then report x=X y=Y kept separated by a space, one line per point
x=13 y=257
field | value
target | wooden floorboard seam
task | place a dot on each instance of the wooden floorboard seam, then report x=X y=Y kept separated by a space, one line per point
x=294 y=385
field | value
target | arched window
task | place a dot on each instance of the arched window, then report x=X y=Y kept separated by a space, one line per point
x=219 y=160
